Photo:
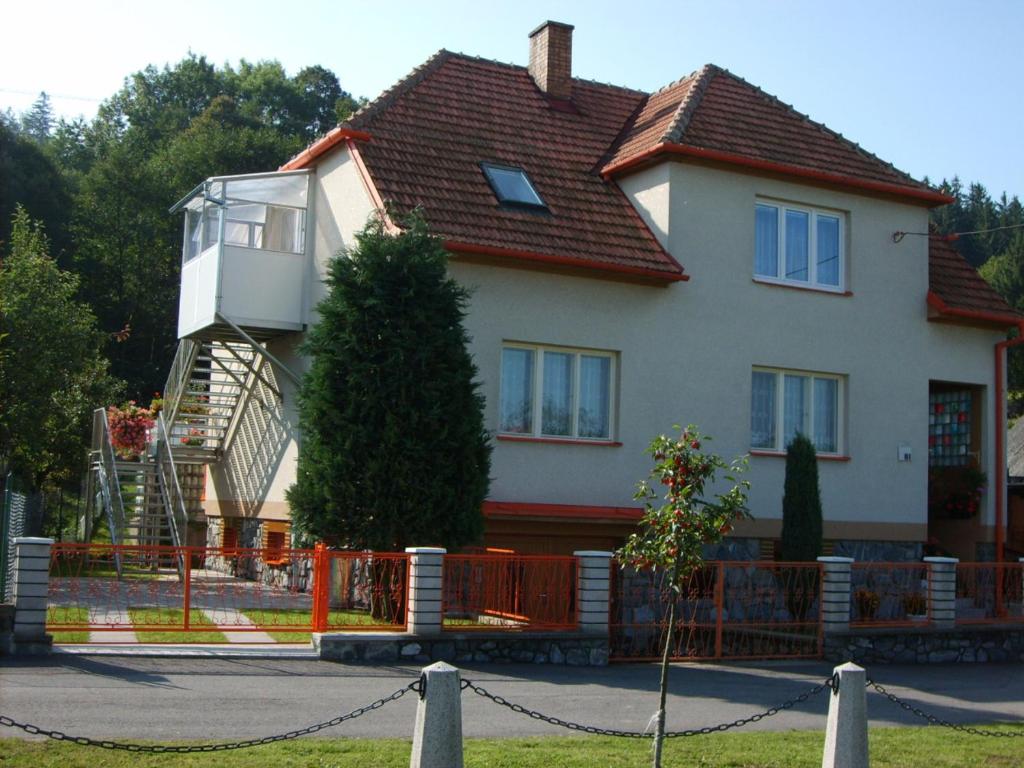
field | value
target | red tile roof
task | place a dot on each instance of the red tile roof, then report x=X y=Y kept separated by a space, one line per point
x=956 y=291
x=431 y=132
x=715 y=114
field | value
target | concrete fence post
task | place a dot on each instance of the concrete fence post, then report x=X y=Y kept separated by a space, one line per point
x=31 y=588
x=437 y=740
x=835 y=593
x=942 y=591
x=593 y=585
x=425 y=564
x=846 y=734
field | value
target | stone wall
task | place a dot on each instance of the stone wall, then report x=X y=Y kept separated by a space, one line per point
x=296 y=574
x=571 y=649
x=734 y=548
x=926 y=646
x=881 y=551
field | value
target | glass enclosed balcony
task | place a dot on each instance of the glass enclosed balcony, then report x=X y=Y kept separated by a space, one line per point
x=244 y=254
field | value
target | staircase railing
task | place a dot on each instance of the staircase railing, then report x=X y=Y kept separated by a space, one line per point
x=178 y=377
x=106 y=473
x=170 y=492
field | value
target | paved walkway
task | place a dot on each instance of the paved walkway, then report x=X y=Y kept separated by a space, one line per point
x=226 y=619
x=222 y=696
x=222 y=599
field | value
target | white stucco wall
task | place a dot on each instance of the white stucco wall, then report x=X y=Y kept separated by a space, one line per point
x=260 y=459
x=685 y=351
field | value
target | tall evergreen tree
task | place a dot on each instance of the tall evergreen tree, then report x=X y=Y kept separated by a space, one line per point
x=394 y=451
x=37 y=123
x=801 y=503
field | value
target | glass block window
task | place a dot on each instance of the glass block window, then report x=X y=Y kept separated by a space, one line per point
x=949 y=428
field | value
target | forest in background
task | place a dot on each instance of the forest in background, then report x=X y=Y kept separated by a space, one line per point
x=102 y=188
x=90 y=256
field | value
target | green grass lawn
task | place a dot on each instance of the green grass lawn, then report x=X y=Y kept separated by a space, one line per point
x=69 y=614
x=73 y=568
x=268 y=618
x=173 y=617
x=890 y=748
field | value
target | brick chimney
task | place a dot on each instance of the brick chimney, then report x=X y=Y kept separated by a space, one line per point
x=551 y=59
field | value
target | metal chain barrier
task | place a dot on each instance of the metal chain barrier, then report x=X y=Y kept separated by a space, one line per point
x=830 y=683
x=181 y=749
x=933 y=720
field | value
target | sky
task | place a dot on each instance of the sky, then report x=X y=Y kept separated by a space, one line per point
x=932 y=86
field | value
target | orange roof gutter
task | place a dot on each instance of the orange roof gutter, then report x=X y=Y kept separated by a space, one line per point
x=936 y=198
x=1000 y=420
x=323 y=145
x=568 y=261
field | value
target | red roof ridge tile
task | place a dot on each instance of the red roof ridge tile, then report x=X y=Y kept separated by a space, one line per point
x=367 y=112
x=823 y=128
x=689 y=103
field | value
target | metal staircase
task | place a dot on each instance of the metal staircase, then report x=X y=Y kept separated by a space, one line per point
x=206 y=389
x=209 y=385
x=138 y=500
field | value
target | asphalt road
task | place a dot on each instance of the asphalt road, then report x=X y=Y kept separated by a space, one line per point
x=233 y=698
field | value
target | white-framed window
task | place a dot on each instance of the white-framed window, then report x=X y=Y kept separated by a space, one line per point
x=797 y=245
x=556 y=392
x=784 y=402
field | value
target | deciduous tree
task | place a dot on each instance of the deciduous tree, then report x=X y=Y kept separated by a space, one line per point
x=52 y=373
x=678 y=525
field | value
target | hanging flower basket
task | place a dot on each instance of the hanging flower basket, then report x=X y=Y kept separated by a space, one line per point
x=129 y=426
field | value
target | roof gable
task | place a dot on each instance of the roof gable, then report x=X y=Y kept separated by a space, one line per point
x=717 y=115
x=957 y=292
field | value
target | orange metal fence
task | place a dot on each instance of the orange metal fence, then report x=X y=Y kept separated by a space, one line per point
x=989 y=593
x=215 y=594
x=888 y=594
x=507 y=591
x=727 y=610
x=360 y=591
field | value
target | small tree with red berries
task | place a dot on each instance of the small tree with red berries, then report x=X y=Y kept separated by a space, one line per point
x=678 y=525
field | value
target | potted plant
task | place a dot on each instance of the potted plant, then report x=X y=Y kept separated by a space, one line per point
x=129 y=425
x=867 y=603
x=955 y=492
x=916 y=607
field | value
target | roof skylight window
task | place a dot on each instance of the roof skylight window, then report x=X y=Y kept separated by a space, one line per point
x=512 y=186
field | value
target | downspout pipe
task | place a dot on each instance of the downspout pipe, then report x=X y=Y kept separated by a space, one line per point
x=1000 y=421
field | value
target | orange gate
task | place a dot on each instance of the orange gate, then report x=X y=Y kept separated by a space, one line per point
x=154 y=594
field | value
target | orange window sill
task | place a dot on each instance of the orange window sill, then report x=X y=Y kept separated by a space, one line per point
x=557 y=440
x=782 y=455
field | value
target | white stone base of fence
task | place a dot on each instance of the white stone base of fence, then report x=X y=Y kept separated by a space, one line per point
x=31 y=588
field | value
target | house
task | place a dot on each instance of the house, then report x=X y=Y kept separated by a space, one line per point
x=703 y=254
